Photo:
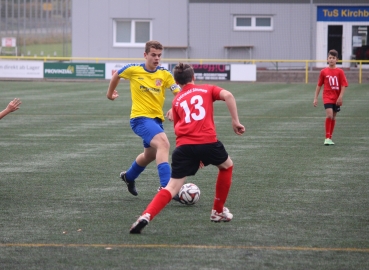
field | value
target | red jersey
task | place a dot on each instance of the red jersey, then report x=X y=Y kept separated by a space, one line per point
x=193 y=114
x=333 y=79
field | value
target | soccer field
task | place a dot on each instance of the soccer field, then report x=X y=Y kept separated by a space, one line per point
x=297 y=204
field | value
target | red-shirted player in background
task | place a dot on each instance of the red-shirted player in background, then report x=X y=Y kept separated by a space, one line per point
x=335 y=84
x=196 y=142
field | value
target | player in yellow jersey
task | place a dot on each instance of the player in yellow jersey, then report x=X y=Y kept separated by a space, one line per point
x=148 y=83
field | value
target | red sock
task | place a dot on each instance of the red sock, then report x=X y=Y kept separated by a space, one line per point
x=333 y=123
x=222 y=187
x=161 y=199
x=328 y=123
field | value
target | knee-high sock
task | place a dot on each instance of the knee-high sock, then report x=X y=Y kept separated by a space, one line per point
x=222 y=187
x=164 y=173
x=328 y=124
x=134 y=171
x=161 y=199
x=333 y=123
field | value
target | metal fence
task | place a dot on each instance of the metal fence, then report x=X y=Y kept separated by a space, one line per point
x=35 y=27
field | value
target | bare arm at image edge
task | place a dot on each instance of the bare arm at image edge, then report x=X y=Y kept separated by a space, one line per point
x=12 y=106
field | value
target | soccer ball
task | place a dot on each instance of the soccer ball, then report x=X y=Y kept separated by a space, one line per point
x=189 y=194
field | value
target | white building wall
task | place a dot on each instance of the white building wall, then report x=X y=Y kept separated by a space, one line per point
x=207 y=27
x=93 y=26
x=211 y=28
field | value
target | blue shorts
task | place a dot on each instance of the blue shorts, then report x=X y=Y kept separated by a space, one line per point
x=146 y=128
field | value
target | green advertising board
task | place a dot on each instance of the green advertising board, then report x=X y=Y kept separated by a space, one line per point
x=74 y=70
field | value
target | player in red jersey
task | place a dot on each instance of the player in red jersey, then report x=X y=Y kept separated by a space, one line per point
x=196 y=143
x=335 y=84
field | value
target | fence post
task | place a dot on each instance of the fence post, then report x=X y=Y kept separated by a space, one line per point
x=306 y=71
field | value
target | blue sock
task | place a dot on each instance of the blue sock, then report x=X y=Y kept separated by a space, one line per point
x=134 y=171
x=164 y=173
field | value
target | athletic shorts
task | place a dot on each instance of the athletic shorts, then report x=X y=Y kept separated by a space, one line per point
x=146 y=128
x=335 y=107
x=186 y=158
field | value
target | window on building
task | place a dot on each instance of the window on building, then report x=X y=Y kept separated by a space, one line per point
x=360 y=42
x=128 y=33
x=253 y=23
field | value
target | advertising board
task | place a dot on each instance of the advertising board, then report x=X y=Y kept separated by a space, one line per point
x=21 y=69
x=74 y=70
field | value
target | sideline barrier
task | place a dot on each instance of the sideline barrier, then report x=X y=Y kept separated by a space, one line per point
x=102 y=68
x=74 y=70
x=22 y=69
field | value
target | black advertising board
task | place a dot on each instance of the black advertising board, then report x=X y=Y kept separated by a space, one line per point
x=212 y=72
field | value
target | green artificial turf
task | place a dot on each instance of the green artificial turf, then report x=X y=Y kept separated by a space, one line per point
x=297 y=204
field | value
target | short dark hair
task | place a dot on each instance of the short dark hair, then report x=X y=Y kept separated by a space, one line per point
x=183 y=73
x=153 y=44
x=333 y=53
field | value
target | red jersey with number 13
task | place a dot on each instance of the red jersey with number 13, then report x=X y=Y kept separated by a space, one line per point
x=193 y=114
x=333 y=79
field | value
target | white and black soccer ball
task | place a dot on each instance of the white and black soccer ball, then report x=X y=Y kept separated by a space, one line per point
x=189 y=194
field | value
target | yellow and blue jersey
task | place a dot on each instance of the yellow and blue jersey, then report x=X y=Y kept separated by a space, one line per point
x=148 y=89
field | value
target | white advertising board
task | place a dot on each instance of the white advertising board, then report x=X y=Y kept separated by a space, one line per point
x=245 y=73
x=8 y=42
x=21 y=69
x=111 y=68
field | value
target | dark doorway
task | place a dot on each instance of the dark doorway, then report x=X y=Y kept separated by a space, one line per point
x=335 y=40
